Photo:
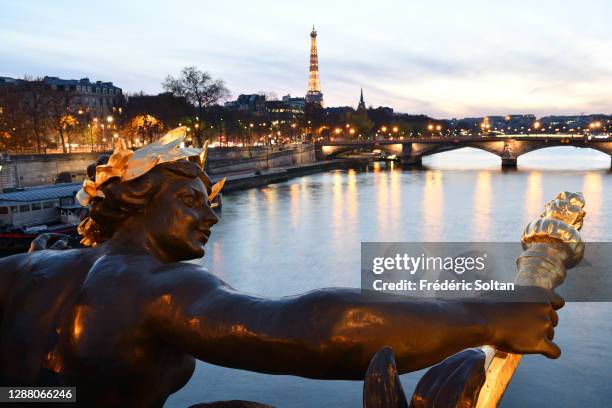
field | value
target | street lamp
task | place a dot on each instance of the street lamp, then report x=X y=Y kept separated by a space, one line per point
x=103 y=132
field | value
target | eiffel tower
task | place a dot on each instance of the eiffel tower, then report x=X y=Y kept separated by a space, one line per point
x=314 y=94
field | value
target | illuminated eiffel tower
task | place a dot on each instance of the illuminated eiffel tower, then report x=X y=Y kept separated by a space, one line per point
x=314 y=94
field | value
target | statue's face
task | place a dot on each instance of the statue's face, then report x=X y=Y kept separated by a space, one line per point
x=179 y=219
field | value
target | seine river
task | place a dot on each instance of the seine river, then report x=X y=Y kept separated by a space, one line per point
x=304 y=234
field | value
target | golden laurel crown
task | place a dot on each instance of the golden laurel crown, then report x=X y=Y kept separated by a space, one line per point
x=127 y=165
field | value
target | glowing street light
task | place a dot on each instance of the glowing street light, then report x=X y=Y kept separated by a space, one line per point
x=383 y=129
x=109 y=119
x=395 y=129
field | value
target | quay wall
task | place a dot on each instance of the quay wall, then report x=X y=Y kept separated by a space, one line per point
x=31 y=170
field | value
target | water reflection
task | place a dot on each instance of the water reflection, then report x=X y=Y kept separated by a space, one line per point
x=337 y=209
x=382 y=204
x=352 y=200
x=396 y=215
x=592 y=188
x=533 y=196
x=295 y=208
x=433 y=206
x=482 y=206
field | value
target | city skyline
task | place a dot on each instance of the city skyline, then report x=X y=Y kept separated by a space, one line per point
x=444 y=60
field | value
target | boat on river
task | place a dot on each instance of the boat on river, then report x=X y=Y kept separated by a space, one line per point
x=26 y=213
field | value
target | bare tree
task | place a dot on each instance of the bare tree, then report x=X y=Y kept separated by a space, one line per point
x=13 y=121
x=35 y=107
x=200 y=89
x=59 y=103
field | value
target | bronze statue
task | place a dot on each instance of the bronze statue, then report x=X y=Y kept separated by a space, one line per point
x=125 y=319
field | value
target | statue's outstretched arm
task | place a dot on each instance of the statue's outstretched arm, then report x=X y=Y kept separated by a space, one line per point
x=332 y=333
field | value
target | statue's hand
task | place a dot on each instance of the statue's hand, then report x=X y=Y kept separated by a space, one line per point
x=49 y=241
x=455 y=382
x=525 y=327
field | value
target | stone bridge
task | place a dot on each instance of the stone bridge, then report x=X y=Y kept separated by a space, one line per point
x=411 y=151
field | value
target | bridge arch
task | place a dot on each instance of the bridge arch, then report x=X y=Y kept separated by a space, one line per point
x=590 y=157
x=332 y=151
x=458 y=146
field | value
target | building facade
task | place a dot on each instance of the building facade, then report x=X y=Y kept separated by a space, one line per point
x=96 y=98
x=251 y=103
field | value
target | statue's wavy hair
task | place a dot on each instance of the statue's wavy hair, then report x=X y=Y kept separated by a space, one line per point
x=123 y=200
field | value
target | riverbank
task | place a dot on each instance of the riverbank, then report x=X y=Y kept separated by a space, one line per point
x=250 y=179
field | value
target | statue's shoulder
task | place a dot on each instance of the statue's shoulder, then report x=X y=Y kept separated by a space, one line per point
x=182 y=269
x=43 y=259
x=60 y=267
x=10 y=263
x=184 y=275
x=9 y=266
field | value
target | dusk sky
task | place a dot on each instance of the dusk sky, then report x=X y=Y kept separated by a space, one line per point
x=441 y=58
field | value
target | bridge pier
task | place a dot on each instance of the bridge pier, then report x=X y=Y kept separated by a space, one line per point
x=411 y=160
x=509 y=162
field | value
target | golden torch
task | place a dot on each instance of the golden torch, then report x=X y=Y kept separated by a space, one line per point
x=551 y=245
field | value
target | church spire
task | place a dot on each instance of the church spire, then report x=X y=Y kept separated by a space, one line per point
x=361 y=105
